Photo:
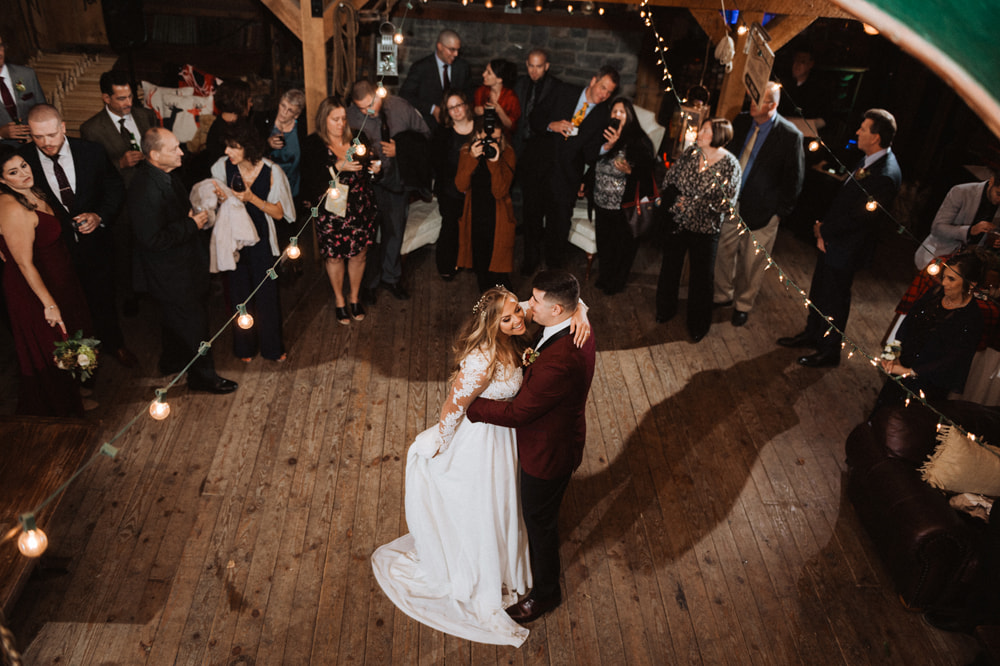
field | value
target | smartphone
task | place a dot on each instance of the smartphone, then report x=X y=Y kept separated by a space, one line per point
x=614 y=123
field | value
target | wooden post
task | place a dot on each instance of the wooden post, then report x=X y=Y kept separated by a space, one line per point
x=313 y=61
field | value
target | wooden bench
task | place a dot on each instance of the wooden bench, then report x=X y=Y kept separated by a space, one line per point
x=39 y=455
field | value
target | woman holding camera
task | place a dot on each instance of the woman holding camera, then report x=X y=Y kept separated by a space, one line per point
x=625 y=166
x=486 y=230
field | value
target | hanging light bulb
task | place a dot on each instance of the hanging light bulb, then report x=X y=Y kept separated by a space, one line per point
x=32 y=542
x=870 y=29
x=360 y=149
x=813 y=146
x=513 y=4
x=398 y=37
x=293 y=250
x=600 y=10
x=538 y=6
x=333 y=193
x=569 y=8
x=741 y=30
x=871 y=206
x=159 y=409
x=933 y=268
x=489 y=4
x=245 y=320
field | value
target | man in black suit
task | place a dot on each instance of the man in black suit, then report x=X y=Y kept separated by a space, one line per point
x=119 y=128
x=770 y=152
x=573 y=120
x=86 y=193
x=846 y=238
x=430 y=76
x=174 y=259
x=530 y=141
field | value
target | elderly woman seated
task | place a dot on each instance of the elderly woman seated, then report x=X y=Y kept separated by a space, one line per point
x=938 y=337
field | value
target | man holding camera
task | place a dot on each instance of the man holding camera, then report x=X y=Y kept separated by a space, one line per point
x=574 y=120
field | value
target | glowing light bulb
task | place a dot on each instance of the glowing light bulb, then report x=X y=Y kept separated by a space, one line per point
x=398 y=38
x=360 y=150
x=245 y=321
x=513 y=4
x=159 y=409
x=381 y=91
x=32 y=541
x=538 y=6
x=871 y=206
x=870 y=29
x=293 y=250
x=569 y=8
x=333 y=193
x=600 y=10
x=813 y=146
x=489 y=4
x=933 y=268
x=742 y=30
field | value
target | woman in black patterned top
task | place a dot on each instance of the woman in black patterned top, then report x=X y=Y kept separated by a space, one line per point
x=707 y=178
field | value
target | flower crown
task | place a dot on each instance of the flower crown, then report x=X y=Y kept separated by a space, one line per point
x=480 y=307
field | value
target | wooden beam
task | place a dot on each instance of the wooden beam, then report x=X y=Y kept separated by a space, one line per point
x=315 y=32
x=820 y=8
x=288 y=12
x=732 y=91
x=711 y=22
x=784 y=29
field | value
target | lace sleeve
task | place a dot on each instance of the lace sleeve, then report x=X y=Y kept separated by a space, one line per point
x=469 y=383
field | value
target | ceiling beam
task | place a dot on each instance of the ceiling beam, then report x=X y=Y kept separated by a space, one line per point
x=816 y=8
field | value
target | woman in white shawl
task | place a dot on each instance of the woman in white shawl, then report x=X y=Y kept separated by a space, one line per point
x=263 y=188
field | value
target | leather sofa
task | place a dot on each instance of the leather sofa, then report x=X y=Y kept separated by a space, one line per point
x=932 y=551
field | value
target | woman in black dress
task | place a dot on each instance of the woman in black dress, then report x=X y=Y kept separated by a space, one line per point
x=451 y=135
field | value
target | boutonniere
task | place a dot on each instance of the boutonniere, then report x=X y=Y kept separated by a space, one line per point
x=861 y=174
x=19 y=86
x=528 y=356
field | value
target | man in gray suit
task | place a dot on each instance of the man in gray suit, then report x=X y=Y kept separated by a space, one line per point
x=770 y=151
x=19 y=91
x=968 y=212
x=120 y=126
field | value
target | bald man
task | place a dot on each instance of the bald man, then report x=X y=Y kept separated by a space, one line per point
x=173 y=256
x=430 y=76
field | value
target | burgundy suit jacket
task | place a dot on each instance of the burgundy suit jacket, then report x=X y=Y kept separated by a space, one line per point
x=549 y=412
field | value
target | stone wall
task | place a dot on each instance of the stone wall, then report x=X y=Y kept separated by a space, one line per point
x=575 y=53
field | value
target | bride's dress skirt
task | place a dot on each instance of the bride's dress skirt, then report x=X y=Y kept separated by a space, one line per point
x=466 y=556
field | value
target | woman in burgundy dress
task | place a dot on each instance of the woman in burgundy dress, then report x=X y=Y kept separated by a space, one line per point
x=44 y=297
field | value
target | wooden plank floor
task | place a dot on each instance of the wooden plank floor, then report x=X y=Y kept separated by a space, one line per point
x=707 y=524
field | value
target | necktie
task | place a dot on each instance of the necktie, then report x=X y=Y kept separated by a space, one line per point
x=580 y=115
x=748 y=149
x=447 y=79
x=65 y=191
x=8 y=100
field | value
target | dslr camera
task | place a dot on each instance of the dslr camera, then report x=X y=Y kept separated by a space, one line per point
x=488 y=143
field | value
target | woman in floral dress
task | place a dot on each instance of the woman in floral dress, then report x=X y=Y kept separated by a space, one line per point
x=343 y=238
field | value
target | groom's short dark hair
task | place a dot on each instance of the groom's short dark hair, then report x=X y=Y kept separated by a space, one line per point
x=560 y=287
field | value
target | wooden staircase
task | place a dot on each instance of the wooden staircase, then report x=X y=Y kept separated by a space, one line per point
x=71 y=82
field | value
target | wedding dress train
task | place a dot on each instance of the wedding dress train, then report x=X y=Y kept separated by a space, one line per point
x=466 y=556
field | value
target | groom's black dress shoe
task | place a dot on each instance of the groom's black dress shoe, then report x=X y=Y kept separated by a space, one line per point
x=530 y=608
x=828 y=359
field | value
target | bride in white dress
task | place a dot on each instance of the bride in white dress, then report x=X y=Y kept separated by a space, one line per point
x=466 y=556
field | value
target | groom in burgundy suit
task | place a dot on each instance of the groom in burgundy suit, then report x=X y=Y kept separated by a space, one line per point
x=550 y=416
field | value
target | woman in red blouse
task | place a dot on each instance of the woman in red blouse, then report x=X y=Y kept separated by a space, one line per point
x=497 y=91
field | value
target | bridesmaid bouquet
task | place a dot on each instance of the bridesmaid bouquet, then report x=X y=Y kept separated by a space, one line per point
x=78 y=356
x=892 y=350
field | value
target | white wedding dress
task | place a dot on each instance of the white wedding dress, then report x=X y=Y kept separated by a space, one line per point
x=466 y=556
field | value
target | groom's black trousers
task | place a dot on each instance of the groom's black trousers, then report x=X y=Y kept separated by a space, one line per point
x=540 y=501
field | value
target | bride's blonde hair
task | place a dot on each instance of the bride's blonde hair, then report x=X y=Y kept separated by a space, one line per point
x=481 y=331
